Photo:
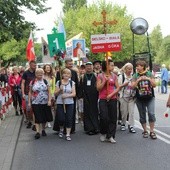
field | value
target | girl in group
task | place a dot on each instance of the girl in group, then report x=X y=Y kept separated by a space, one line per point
x=107 y=85
x=15 y=84
x=49 y=76
x=39 y=99
x=127 y=98
x=65 y=91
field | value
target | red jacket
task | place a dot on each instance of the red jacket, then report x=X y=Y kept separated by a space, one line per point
x=14 y=81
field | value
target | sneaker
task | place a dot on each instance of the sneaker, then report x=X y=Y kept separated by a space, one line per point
x=33 y=128
x=103 y=138
x=123 y=128
x=37 y=135
x=49 y=125
x=68 y=138
x=29 y=125
x=60 y=134
x=111 y=140
x=44 y=133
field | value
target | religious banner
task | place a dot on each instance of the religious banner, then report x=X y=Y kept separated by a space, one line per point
x=56 y=42
x=105 y=42
x=79 y=48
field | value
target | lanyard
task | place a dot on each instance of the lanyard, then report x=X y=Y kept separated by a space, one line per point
x=90 y=77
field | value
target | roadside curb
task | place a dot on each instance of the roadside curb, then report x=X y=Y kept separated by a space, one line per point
x=7 y=164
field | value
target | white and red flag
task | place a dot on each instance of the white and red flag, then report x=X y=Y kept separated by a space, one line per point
x=30 y=48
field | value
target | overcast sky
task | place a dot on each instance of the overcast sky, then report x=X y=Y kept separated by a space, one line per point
x=154 y=11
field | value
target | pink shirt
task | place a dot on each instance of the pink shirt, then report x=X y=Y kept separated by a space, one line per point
x=111 y=87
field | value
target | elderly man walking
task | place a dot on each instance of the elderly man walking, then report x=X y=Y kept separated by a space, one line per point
x=164 y=79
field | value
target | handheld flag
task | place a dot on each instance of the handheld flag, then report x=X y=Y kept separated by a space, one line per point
x=61 y=28
x=30 y=48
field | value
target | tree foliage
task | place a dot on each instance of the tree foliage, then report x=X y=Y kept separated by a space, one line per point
x=156 y=39
x=12 y=22
x=73 y=4
x=14 y=29
x=82 y=21
x=164 y=51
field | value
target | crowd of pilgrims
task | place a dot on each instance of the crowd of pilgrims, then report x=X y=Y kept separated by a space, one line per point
x=93 y=95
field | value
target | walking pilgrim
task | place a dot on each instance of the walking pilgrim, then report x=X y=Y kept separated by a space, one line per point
x=90 y=98
x=108 y=87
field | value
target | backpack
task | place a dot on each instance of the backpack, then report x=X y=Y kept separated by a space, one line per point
x=144 y=89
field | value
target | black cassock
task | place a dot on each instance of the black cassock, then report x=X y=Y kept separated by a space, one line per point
x=90 y=98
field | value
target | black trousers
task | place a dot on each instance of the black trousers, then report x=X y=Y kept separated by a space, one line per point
x=56 y=126
x=108 y=117
x=65 y=119
x=17 y=100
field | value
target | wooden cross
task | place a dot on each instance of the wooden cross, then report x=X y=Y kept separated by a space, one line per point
x=104 y=22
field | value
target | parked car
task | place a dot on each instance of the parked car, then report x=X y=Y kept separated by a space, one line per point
x=157 y=75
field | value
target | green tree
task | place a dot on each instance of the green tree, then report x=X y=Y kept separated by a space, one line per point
x=14 y=30
x=12 y=21
x=164 y=52
x=73 y=4
x=82 y=19
x=156 y=40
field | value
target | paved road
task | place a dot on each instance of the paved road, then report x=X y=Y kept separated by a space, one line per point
x=131 y=152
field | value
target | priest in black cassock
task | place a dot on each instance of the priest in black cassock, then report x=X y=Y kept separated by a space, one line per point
x=90 y=97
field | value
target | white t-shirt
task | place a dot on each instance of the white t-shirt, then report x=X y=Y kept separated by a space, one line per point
x=67 y=89
x=126 y=91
